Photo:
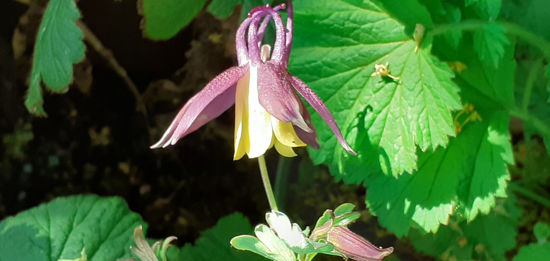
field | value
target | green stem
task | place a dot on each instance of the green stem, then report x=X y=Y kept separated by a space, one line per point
x=281 y=180
x=537 y=123
x=530 y=194
x=513 y=29
x=531 y=77
x=267 y=183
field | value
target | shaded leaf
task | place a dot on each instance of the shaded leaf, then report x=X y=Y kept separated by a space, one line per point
x=58 y=46
x=63 y=227
x=533 y=252
x=541 y=231
x=490 y=44
x=213 y=244
x=222 y=8
x=487 y=9
x=165 y=18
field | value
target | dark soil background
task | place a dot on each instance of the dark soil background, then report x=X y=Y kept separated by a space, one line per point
x=95 y=141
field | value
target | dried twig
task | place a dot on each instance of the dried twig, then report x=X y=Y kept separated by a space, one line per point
x=107 y=54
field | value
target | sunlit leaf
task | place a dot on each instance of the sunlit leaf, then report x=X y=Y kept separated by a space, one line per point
x=337 y=45
x=446 y=178
x=486 y=238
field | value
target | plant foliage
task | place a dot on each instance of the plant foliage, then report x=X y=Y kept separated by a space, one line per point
x=69 y=228
x=58 y=46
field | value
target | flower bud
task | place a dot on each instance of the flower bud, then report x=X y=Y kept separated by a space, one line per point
x=354 y=246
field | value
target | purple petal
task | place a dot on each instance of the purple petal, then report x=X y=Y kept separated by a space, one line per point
x=277 y=96
x=310 y=138
x=216 y=97
x=322 y=109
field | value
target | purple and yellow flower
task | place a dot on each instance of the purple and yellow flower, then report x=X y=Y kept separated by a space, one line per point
x=268 y=111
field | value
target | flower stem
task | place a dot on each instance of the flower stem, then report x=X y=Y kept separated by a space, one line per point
x=267 y=183
x=529 y=194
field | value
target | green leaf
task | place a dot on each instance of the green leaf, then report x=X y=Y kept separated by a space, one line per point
x=428 y=197
x=542 y=232
x=58 y=46
x=252 y=244
x=409 y=13
x=489 y=87
x=490 y=44
x=214 y=243
x=487 y=9
x=63 y=227
x=344 y=209
x=222 y=8
x=469 y=173
x=165 y=18
x=337 y=45
x=488 y=237
x=534 y=252
x=489 y=176
x=530 y=14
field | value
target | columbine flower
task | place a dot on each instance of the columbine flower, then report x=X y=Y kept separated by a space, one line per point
x=268 y=112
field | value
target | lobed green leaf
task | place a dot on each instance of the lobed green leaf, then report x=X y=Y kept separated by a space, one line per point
x=58 y=46
x=337 y=45
x=490 y=44
x=487 y=237
x=62 y=228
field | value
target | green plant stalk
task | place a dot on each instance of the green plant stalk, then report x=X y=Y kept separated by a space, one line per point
x=531 y=77
x=537 y=123
x=267 y=183
x=529 y=194
x=510 y=28
x=281 y=180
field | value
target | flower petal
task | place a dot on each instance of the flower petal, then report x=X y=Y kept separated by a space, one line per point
x=277 y=96
x=322 y=109
x=260 y=131
x=216 y=97
x=284 y=150
x=241 y=117
x=310 y=138
x=285 y=134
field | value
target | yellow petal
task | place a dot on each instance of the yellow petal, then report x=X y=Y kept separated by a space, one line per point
x=260 y=131
x=241 y=117
x=284 y=131
x=284 y=150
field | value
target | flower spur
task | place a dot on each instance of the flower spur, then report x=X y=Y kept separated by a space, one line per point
x=268 y=112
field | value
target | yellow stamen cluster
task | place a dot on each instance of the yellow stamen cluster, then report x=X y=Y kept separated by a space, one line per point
x=382 y=70
x=469 y=114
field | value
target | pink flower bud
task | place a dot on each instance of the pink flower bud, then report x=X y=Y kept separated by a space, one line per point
x=354 y=246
